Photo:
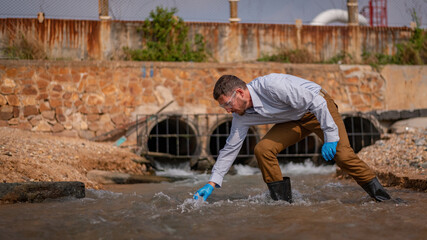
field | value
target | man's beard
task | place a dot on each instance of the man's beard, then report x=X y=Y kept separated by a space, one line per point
x=244 y=102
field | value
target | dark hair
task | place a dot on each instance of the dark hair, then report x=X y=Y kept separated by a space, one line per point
x=226 y=84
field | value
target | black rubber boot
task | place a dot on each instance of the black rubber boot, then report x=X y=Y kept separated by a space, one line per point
x=376 y=190
x=281 y=190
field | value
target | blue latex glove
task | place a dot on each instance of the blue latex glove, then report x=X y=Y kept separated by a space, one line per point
x=328 y=150
x=204 y=192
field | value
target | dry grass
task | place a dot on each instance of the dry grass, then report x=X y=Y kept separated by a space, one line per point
x=23 y=45
x=290 y=56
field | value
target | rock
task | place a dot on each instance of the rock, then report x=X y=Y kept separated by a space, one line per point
x=106 y=177
x=141 y=160
x=410 y=125
x=203 y=165
x=414 y=164
x=39 y=191
x=420 y=142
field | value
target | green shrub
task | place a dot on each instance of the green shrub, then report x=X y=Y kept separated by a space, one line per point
x=414 y=51
x=376 y=59
x=166 y=39
x=340 y=58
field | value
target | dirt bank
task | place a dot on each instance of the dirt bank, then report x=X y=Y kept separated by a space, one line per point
x=28 y=156
x=398 y=159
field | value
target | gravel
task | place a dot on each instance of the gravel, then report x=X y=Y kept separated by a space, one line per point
x=403 y=155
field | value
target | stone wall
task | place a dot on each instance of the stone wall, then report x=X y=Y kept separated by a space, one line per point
x=88 y=98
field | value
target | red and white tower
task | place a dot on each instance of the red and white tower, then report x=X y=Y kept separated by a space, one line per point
x=377 y=13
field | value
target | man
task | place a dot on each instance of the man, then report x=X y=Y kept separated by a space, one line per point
x=297 y=107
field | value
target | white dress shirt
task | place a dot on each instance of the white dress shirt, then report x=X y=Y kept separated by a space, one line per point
x=276 y=98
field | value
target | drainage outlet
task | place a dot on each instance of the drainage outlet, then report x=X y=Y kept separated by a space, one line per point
x=172 y=139
x=308 y=148
x=362 y=131
x=219 y=136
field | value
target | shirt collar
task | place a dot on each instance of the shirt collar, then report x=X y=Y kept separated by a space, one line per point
x=256 y=101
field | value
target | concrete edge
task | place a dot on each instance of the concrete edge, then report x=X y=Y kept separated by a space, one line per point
x=40 y=191
x=389 y=179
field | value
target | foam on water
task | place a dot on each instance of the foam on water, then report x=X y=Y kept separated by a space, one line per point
x=103 y=194
x=306 y=168
x=246 y=170
x=161 y=195
x=290 y=168
x=183 y=169
x=179 y=169
x=191 y=204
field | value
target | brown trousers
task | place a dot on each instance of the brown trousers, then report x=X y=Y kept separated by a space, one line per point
x=283 y=135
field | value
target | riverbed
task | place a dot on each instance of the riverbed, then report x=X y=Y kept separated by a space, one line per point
x=324 y=207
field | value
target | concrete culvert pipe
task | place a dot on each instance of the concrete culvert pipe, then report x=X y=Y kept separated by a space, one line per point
x=171 y=139
x=219 y=136
x=362 y=130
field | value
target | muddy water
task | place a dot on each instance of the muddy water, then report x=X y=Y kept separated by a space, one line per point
x=323 y=208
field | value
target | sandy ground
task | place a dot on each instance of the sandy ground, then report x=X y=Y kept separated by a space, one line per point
x=28 y=156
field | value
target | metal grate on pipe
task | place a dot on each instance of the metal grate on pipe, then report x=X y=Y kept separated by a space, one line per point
x=182 y=137
x=362 y=131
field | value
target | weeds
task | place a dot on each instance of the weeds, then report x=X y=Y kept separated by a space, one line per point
x=414 y=51
x=290 y=56
x=22 y=45
x=411 y=52
x=340 y=58
x=165 y=39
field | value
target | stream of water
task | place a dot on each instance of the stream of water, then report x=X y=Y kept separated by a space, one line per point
x=324 y=208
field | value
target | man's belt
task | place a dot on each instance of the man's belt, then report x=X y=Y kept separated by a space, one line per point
x=322 y=92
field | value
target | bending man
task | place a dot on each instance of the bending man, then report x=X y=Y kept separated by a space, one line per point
x=297 y=107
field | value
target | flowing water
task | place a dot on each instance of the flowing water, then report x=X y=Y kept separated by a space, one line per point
x=323 y=208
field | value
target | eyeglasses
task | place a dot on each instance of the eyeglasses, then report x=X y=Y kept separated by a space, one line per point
x=229 y=102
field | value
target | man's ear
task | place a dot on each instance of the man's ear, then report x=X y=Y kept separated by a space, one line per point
x=240 y=91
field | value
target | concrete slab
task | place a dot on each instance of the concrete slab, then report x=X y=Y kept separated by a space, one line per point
x=106 y=177
x=39 y=191
x=410 y=125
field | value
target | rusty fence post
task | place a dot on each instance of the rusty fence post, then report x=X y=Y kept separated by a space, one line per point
x=233 y=11
x=103 y=10
x=353 y=12
x=298 y=25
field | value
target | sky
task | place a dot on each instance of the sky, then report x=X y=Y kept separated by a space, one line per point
x=249 y=11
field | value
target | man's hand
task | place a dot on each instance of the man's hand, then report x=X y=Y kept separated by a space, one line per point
x=328 y=150
x=204 y=192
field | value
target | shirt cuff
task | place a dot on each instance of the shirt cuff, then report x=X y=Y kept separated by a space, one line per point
x=331 y=137
x=217 y=179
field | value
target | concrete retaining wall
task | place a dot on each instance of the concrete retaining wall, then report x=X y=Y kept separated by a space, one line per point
x=104 y=40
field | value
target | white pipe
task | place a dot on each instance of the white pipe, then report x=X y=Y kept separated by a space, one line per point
x=335 y=15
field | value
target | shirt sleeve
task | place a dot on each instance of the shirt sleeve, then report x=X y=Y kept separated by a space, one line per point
x=320 y=109
x=228 y=154
x=299 y=97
